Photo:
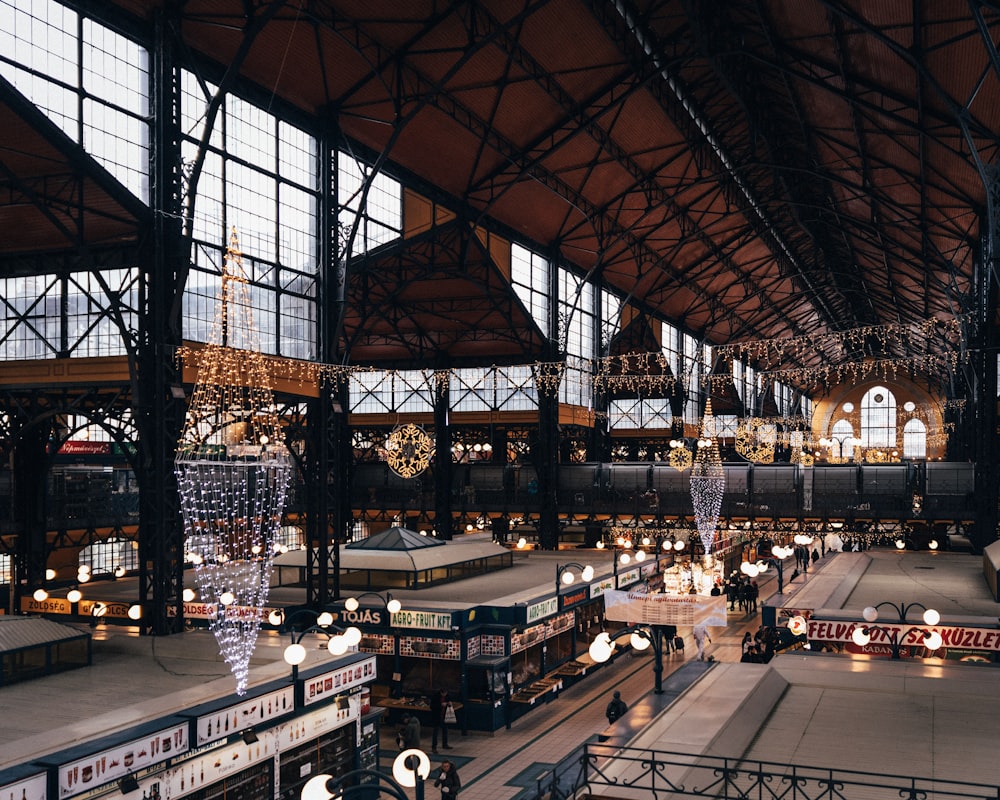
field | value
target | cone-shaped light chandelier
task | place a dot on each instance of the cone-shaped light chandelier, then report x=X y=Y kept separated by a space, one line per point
x=708 y=481
x=232 y=471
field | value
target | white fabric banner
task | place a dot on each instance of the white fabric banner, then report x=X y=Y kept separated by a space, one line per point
x=665 y=609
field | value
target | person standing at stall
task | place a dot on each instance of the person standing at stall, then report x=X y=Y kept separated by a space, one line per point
x=442 y=712
x=409 y=734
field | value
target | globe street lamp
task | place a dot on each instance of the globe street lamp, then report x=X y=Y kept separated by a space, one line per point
x=390 y=605
x=565 y=576
x=340 y=639
x=932 y=640
x=409 y=771
x=755 y=568
x=640 y=637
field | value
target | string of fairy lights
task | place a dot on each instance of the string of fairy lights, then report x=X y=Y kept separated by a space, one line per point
x=708 y=481
x=233 y=472
x=651 y=373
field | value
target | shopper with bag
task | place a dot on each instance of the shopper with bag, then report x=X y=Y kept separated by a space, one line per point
x=409 y=734
x=447 y=780
x=442 y=714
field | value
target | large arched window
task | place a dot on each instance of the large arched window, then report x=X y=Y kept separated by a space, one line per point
x=842 y=436
x=915 y=439
x=878 y=418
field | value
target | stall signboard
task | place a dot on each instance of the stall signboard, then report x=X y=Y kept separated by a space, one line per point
x=109 y=765
x=628 y=577
x=77 y=447
x=649 y=569
x=233 y=719
x=300 y=730
x=597 y=588
x=35 y=787
x=211 y=610
x=328 y=685
x=575 y=597
x=425 y=620
x=51 y=605
x=546 y=608
x=665 y=609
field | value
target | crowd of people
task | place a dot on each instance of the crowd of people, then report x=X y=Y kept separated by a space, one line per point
x=741 y=592
x=760 y=647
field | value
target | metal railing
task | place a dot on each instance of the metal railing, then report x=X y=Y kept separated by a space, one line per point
x=610 y=771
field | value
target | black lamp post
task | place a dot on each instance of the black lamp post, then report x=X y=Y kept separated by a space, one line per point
x=641 y=637
x=781 y=571
x=410 y=770
x=386 y=600
x=752 y=568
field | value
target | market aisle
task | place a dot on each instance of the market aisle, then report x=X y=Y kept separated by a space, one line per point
x=511 y=762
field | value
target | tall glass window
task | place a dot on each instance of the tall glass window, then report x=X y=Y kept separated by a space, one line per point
x=260 y=177
x=91 y=81
x=529 y=274
x=915 y=439
x=878 y=418
x=380 y=220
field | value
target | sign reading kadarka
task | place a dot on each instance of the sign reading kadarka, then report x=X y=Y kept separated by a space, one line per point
x=665 y=609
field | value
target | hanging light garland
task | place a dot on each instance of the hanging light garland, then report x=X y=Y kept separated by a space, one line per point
x=650 y=373
x=908 y=338
x=708 y=481
x=233 y=471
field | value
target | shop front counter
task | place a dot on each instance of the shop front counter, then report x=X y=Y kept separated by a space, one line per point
x=418 y=706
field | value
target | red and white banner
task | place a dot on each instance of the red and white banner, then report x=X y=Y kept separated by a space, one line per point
x=909 y=636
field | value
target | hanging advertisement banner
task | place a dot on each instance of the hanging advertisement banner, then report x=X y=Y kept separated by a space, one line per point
x=665 y=609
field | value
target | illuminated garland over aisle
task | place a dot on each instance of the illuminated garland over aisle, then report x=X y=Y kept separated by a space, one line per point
x=910 y=338
x=233 y=471
x=650 y=373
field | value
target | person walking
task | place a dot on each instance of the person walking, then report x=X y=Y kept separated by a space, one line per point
x=616 y=708
x=409 y=734
x=439 y=719
x=701 y=635
x=447 y=780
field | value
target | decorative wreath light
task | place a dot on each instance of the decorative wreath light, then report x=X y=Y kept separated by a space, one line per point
x=233 y=471
x=756 y=439
x=680 y=457
x=408 y=450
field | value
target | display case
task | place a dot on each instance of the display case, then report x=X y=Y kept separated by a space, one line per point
x=368 y=742
x=253 y=783
x=487 y=708
x=332 y=753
